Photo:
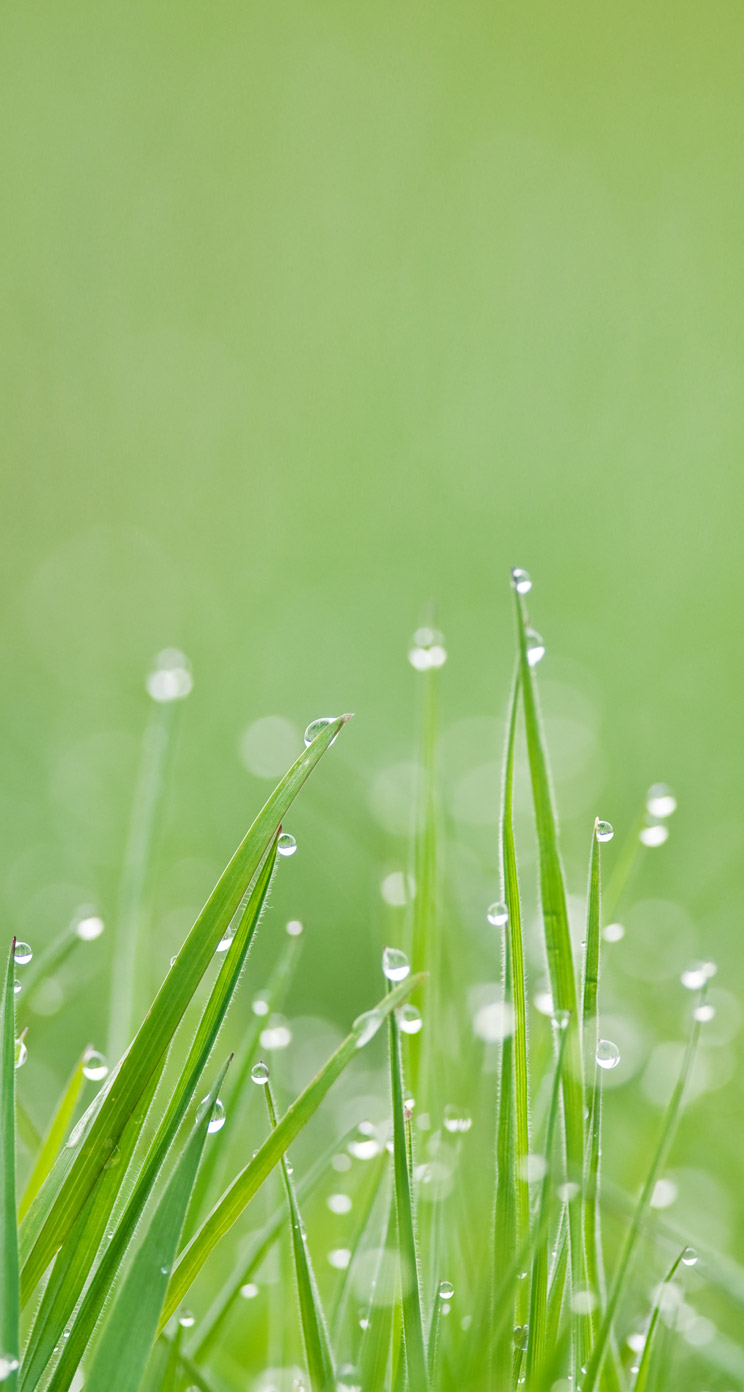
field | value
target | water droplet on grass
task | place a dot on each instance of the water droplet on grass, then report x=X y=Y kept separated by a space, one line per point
x=655 y=834
x=95 y=1066
x=90 y=928
x=249 y=1291
x=605 y=831
x=521 y=1336
x=704 y=1013
x=217 y=1119
x=16 y=987
x=366 y=1026
x=339 y=1257
x=521 y=580
x=395 y=964
x=286 y=845
x=660 y=800
x=695 y=976
x=22 y=954
x=613 y=932
x=689 y=1256
x=170 y=676
x=294 y=928
x=364 y=1145
x=315 y=727
x=446 y=1290
x=561 y=1019
x=260 y=1005
x=427 y=649
x=260 y=1074
x=535 y=647
x=277 y=1035
x=456 y=1120
x=225 y=941
x=608 y=1054
x=21 y=1053
x=8 y=1364
x=409 y=1019
x=339 y=1203
x=186 y=1319
x=498 y=915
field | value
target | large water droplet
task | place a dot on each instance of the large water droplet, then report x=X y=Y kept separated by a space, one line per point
x=605 y=831
x=535 y=647
x=286 y=845
x=498 y=914
x=655 y=834
x=170 y=676
x=695 y=976
x=87 y=929
x=21 y=1053
x=249 y=1291
x=217 y=1119
x=16 y=986
x=366 y=1026
x=521 y=580
x=456 y=1120
x=689 y=1256
x=409 y=1019
x=427 y=649
x=395 y=964
x=660 y=800
x=95 y=1066
x=364 y=1144
x=608 y=1054
x=521 y=1336
x=8 y=1364
x=22 y=954
x=446 y=1290
x=226 y=941
x=260 y=1074
x=315 y=727
x=186 y=1319
x=704 y=1013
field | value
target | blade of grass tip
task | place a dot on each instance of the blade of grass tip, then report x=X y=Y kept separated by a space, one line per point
x=320 y=1360
x=130 y=1326
x=56 y=1132
x=204 y=1040
x=128 y=927
x=9 y=1297
x=511 y=1207
x=213 y=1322
x=666 y=1137
x=557 y=934
x=413 y=1324
x=644 y=1365
x=239 y=1194
x=213 y=1163
x=61 y=1198
x=537 y=1343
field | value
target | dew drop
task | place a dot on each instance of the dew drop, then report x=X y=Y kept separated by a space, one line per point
x=543 y=1002
x=395 y=964
x=315 y=727
x=339 y=1258
x=366 y=1026
x=286 y=845
x=22 y=954
x=521 y=580
x=695 y=976
x=655 y=834
x=583 y=1301
x=613 y=932
x=76 y=1132
x=568 y=1191
x=260 y=1074
x=498 y=915
x=608 y=1054
x=225 y=941
x=95 y=1066
x=704 y=1013
x=249 y=1291
x=446 y=1290
x=90 y=928
x=170 y=677
x=456 y=1121
x=660 y=800
x=277 y=1034
x=186 y=1319
x=535 y=647
x=8 y=1364
x=16 y=987
x=217 y=1119
x=409 y=1019
x=339 y=1203
x=364 y=1144
x=294 y=927
x=689 y=1256
x=521 y=1334
x=427 y=649
x=561 y=1019
x=605 y=831
x=21 y=1053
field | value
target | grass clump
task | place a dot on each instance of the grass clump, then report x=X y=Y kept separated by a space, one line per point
x=476 y=1256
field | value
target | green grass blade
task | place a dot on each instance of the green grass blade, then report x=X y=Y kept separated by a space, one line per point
x=666 y=1137
x=358 y=1244
x=413 y=1323
x=644 y=1365
x=378 y=1332
x=425 y=947
x=235 y=1199
x=201 y=1048
x=61 y=1199
x=320 y=1361
x=537 y=1343
x=130 y=1327
x=56 y=1132
x=9 y=1277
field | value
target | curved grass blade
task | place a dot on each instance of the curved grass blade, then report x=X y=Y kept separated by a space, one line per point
x=130 y=1327
x=9 y=1295
x=232 y=1203
x=413 y=1323
x=644 y=1365
x=315 y=1336
x=666 y=1137
x=62 y=1197
x=537 y=1343
x=201 y=1048
x=56 y=1132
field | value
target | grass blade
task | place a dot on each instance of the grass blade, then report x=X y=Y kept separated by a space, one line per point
x=55 y=1135
x=644 y=1365
x=235 y=1199
x=413 y=1323
x=61 y=1199
x=378 y=1331
x=317 y=1343
x=9 y=1296
x=130 y=1327
x=537 y=1342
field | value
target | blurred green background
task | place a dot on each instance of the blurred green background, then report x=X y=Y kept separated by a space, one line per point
x=314 y=315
